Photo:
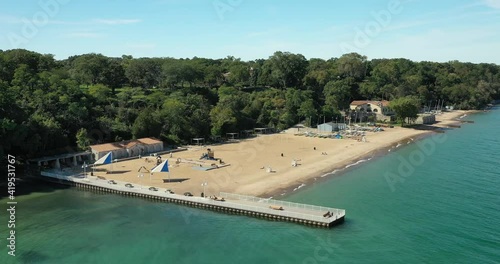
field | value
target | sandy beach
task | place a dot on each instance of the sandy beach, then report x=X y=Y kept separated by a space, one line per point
x=248 y=162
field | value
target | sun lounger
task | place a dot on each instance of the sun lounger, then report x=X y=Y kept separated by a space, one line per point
x=275 y=207
x=215 y=198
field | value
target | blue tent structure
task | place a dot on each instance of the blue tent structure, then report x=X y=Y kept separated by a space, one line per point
x=162 y=167
x=106 y=159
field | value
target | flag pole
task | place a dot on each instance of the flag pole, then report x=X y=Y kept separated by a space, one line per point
x=142 y=175
x=85 y=169
x=168 y=171
x=111 y=162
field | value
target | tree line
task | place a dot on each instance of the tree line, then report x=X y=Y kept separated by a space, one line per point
x=49 y=106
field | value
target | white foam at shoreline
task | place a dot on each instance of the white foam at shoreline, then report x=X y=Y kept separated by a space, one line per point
x=356 y=163
x=346 y=167
x=300 y=186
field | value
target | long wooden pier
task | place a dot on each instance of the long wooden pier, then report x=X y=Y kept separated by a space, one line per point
x=233 y=203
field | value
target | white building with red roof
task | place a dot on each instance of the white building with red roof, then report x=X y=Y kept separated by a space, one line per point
x=380 y=109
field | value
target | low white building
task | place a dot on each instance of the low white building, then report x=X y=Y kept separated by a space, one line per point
x=125 y=149
x=331 y=127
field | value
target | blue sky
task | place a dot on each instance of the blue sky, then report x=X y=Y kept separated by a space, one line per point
x=438 y=30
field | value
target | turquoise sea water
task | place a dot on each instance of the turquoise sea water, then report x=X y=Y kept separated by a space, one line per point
x=447 y=210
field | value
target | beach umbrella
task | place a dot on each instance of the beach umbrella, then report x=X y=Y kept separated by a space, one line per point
x=162 y=167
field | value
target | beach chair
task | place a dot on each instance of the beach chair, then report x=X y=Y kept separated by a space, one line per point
x=276 y=207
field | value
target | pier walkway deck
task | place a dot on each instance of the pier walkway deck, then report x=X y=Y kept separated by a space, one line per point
x=233 y=203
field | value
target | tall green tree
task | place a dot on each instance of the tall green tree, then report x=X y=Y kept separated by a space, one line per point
x=82 y=139
x=406 y=109
x=286 y=69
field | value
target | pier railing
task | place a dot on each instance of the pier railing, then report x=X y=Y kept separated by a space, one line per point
x=336 y=212
x=265 y=210
x=235 y=201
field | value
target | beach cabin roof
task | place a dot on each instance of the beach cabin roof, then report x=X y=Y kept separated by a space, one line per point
x=131 y=144
x=106 y=147
x=149 y=141
x=358 y=103
x=383 y=103
x=124 y=144
x=332 y=124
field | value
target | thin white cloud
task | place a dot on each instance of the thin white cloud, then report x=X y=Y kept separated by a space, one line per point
x=411 y=24
x=116 y=21
x=440 y=45
x=84 y=35
x=492 y=3
x=8 y=19
x=22 y=20
x=267 y=33
x=442 y=19
x=258 y=34
x=143 y=46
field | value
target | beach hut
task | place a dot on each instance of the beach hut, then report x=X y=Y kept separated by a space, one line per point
x=331 y=127
x=199 y=141
x=232 y=136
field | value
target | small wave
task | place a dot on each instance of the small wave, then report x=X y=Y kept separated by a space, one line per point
x=356 y=163
x=300 y=186
x=346 y=167
x=330 y=173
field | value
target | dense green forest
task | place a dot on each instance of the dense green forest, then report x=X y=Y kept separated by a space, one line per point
x=48 y=105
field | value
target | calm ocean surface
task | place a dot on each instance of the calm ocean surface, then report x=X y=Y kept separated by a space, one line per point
x=447 y=210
